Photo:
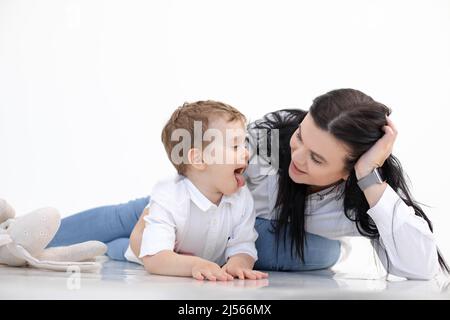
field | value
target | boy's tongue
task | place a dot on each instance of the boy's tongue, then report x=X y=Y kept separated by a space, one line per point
x=240 y=179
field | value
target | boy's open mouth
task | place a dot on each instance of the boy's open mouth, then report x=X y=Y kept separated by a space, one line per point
x=239 y=177
x=239 y=170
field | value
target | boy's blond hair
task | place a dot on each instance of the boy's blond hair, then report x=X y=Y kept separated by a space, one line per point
x=184 y=117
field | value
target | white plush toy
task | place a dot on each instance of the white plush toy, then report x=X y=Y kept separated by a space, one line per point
x=23 y=241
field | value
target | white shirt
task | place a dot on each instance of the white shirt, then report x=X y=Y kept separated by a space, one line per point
x=404 y=237
x=183 y=220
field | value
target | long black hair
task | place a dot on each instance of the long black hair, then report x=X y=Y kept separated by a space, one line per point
x=356 y=119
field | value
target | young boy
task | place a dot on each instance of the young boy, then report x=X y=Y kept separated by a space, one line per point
x=203 y=218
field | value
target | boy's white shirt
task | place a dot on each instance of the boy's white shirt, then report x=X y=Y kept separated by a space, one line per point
x=183 y=220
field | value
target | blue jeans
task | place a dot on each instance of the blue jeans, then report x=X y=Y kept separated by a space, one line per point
x=113 y=225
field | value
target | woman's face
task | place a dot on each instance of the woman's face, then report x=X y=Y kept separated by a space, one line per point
x=318 y=158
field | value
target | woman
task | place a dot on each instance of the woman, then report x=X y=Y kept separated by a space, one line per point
x=327 y=185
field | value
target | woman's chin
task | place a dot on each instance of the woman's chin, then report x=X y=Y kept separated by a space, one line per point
x=296 y=178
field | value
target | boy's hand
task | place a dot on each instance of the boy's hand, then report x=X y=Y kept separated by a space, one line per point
x=210 y=271
x=241 y=266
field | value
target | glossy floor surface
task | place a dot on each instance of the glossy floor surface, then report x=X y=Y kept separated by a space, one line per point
x=122 y=280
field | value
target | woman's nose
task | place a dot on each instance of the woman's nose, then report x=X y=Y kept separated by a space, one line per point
x=298 y=153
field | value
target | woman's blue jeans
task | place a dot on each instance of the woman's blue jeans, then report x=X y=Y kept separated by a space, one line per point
x=113 y=225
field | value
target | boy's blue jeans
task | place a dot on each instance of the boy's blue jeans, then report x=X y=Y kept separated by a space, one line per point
x=113 y=225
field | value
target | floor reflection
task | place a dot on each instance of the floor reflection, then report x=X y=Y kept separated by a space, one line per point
x=123 y=280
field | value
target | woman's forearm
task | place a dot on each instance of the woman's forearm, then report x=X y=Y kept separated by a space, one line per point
x=405 y=237
x=373 y=193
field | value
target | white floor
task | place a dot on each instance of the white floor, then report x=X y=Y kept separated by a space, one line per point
x=122 y=280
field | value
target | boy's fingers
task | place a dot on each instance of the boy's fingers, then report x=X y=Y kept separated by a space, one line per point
x=263 y=274
x=250 y=275
x=208 y=274
x=221 y=276
x=211 y=278
x=227 y=276
x=197 y=275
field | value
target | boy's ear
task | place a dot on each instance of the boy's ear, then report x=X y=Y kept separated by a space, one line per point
x=195 y=159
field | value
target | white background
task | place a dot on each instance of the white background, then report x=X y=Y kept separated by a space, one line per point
x=85 y=86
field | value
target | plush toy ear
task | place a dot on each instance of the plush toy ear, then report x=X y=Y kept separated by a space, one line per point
x=6 y=211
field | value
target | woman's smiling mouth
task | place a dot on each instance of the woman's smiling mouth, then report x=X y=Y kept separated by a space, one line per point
x=295 y=169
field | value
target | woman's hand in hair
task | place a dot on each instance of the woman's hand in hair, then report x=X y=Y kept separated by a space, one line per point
x=378 y=153
x=374 y=158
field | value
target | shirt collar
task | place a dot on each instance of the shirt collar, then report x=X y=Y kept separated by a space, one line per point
x=199 y=198
x=333 y=191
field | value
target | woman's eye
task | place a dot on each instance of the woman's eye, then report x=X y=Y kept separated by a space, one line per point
x=299 y=137
x=315 y=160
